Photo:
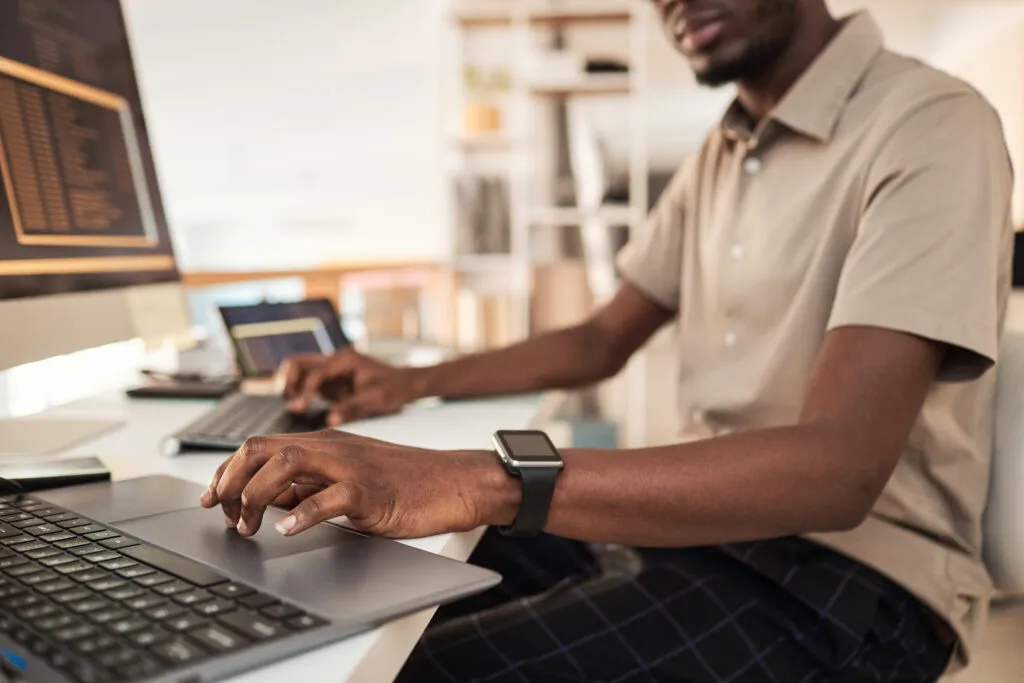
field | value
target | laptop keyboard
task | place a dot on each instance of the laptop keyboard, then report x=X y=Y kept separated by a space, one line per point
x=105 y=608
x=240 y=416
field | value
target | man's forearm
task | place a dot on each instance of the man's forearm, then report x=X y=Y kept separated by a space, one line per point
x=763 y=484
x=564 y=359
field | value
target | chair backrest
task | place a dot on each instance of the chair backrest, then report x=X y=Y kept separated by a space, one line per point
x=1004 y=517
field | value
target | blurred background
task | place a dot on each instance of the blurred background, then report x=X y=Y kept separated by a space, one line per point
x=453 y=174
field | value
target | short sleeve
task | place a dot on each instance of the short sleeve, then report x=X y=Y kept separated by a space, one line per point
x=652 y=261
x=930 y=255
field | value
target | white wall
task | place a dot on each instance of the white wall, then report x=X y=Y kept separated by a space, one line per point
x=294 y=132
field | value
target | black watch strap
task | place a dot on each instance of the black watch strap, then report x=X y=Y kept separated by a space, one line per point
x=538 y=490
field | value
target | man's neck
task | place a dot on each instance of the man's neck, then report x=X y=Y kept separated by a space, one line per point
x=761 y=92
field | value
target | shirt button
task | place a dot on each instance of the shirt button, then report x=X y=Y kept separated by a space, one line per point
x=737 y=251
x=730 y=339
x=752 y=165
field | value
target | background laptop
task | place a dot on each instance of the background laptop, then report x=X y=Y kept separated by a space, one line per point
x=132 y=581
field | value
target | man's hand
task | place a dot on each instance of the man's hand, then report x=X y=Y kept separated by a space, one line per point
x=357 y=386
x=383 y=489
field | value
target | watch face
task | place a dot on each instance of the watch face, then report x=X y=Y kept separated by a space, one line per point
x=529 y=446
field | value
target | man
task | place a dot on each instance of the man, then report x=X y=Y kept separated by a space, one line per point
x=836 y=257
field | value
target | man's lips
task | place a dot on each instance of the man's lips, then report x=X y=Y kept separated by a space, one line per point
x=698 y=37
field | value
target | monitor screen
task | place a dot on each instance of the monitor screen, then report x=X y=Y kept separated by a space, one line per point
x=265 y=335
x=79 y=205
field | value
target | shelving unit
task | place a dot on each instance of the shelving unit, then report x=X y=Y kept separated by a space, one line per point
x=519 y=150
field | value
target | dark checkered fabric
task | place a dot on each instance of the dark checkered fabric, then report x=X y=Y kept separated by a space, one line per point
x=781 y=611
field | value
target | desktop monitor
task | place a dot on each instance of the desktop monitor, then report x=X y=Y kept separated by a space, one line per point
x=85 y=254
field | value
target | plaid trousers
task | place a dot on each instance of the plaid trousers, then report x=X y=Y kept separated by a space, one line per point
x=779 y=611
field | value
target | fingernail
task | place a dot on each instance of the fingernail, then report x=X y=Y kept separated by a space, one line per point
x=243 y=528
x=206 y=499
x=228 y=521
x=285 y=526
x=333 y=420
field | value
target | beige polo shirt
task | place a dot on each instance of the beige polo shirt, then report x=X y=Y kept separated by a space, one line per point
x=877 y=193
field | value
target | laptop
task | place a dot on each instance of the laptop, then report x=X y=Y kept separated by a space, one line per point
x=263 y=336
x=131 y=581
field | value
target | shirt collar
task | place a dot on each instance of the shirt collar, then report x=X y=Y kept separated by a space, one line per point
x=814 y=104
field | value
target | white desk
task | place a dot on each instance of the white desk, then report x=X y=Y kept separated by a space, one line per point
x=374 y=657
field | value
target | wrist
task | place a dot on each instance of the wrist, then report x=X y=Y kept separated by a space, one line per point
x=495 y=494
x=417 y=383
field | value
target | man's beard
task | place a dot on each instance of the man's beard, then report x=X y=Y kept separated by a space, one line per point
x=758 y=58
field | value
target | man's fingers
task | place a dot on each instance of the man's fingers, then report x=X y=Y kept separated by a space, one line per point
x=293 y=462
x=240 y=469
x=295 y=494
x=209 y=498
x=366 y=403
x=339 y=499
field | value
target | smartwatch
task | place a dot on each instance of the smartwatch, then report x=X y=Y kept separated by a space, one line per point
x=533 y=459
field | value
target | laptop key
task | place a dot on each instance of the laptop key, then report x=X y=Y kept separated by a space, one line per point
x=151 y=580
x=15 y=517
x=218 y=639
x=22 y=601
x=148 y=637
x=135 y=572
x=118 y=542
x=23 y=569
x=257 y=601
x=75 y=567
x=59 y=558
x=11 y=562
x=90 y=605
x=280 y=611
x=24 y=548
x=232 y=590
x=38 y=577
x=57 y=621
x=193 y=572
x=212 y=609
x=251 y=624
x=40 y=553
x=90 y=575
x=123 y=627
x=185 y=622
x=305 y=622
x=88 y=549
x=142 y=667
x=143 y=602
x=107 y=615
x=179 y=652
x=125 y=592
x=90 y=528
x=165 y=611
x=93 y=645
x=172 y=588
x=55 y=586
x=26 y=521
x=39 y=612
x=58 y=517
x=73 y=542
x=192 y=598
x=76 y=632
x=103 y=555
x=15 y=540
x=41 y=529
x=118 y=563
x=70 y=596
x=118 y=655
x=57 y=536
x=107 y=584
x=73 y=523
x=87 y=672
x=98 y=535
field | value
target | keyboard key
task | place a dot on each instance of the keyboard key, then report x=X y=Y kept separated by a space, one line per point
x=23 y=569
x=118 y=563
x=232 y=590
x=73 y=523
x=125 y=593
x=191 y=571
x=93 y=604
x=22 y=601
x=38 y=577
x=93 y=645
x=151 y=580
x=41 y=511
x=149 y=637
x=192 y=597
x=123 y=627
x=73 y=542
x=55 y=586
x=58 y=559
x=218 y=639
x=212 y=609
x=58 y=517
x=165 y=611
x=97 y=535
x=76 y=632
x=15 y=540
x=142 y=667
x=280 y=611
x=251 y=624
x=115 y=656
x=57 y=536
x=118 y=542
x=179 y=652
x=55 y=622
x=90 y=575
x=107 y=615
x=144 y=602
x=107 y=584
x=173 y=588
x=185 y=622
x=136 y=572
x=103 y=555
x=74 y=595
x=25 y=548
x=41 y=529
x=257 y=601
x=86 y=672
x=14 y=517
x=40 y=553
x=88 y=549
x=10 y=562
x=26 y=521
x=39 y=612
x=77 y=566
x=90 y=528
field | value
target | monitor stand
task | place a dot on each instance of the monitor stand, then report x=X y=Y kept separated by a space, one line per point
x=41 y=435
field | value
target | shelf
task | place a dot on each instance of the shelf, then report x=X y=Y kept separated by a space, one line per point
x=478 y=262
x=613 y=214
x=486 y=142
x=498 y=15
x=587 y=86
